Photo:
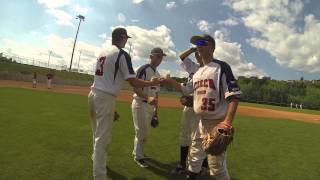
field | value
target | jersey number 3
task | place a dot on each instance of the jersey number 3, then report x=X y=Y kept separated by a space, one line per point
x=99 y=71
x=208 y=104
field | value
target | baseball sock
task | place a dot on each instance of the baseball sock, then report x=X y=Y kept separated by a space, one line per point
x=184 y=150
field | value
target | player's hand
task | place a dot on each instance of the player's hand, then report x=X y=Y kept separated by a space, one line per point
x=152 y=100
x=225 y=124
x=155 y=80
x=166 y=81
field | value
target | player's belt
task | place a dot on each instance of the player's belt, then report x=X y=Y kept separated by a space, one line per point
x=145 y=101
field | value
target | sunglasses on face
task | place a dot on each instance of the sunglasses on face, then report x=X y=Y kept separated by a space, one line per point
x=202 y=43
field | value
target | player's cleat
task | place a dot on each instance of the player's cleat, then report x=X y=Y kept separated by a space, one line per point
x=178 y=170
x=204 y=171
x=191 y=175
x=141 y=162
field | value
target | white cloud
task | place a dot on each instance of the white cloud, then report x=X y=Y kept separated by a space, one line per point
x=180 y=73
x=62 y=17
x=205 y=26
x=121 y=17
x=81 y=10
x=54 y=3
x=275 y=22
x=164 y=72
x=229 y=22
x=135 y=20
x=143 y=40
x=61 y=51
x=171 y=5
x=103 y=36
x=137 y=1
x=189 y=1
x=64 y=47
x=232 y=53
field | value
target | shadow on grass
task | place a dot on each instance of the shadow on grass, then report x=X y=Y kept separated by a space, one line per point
x=164 y=170
x=114 y=175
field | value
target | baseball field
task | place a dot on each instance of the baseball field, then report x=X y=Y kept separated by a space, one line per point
x=46 y=134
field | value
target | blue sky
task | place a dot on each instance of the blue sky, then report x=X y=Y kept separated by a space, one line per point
x=278 y=38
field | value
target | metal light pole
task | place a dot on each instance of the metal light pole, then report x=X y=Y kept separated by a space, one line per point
x=81 y=18
x=50 y=52
x=80 y=51
x=130 y=45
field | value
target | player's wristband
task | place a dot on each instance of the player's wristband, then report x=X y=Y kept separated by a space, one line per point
x=193 y=49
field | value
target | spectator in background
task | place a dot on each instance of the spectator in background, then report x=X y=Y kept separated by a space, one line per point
x=301 y=106
x=297 y=106
x=291 y=104
x=34 y=80
x=49 y=78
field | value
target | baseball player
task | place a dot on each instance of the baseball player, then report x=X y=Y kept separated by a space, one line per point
x=144 y=105
x=216 y=96
x=112 y=69
x=189 y=120
x=34 y=80
x=49 y=78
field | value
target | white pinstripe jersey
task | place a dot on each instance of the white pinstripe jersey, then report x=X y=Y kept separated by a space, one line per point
x=190 y=67
x=213 y=85
x=111 y=70
x=146 y=72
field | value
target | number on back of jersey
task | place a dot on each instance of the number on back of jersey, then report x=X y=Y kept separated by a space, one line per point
x=100 y=64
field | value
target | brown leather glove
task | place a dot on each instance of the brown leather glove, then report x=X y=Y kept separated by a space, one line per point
x=154 y=121
x=217 y=141
x=186 y=100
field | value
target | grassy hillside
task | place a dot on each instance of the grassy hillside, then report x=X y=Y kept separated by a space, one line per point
x=22 y=72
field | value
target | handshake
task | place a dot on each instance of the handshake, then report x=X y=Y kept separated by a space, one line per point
x=163 y=81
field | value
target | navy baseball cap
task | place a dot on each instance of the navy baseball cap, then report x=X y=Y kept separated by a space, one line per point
x=204 y=37
x=120 y=32
x=157 y=50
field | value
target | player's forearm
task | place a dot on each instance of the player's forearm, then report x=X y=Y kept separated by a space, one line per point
x=186 y=53
x=232 y=109
x=138 y=83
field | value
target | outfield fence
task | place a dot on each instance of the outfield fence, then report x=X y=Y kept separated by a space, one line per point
x=41 y=63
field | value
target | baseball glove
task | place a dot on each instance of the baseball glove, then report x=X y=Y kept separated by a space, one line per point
x=186 y=100
x=154 y=121
x=217 y=141
x=116 y=116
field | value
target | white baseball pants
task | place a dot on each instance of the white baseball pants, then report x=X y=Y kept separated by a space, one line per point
x=217 y=164
x=189 y=124
x=101 y=107
x=142 y=113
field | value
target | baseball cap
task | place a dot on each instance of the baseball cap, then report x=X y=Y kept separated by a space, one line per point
x=204 y=37
x=120 y=32
x=157 y=50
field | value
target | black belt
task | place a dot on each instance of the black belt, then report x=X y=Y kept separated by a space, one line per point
x=145 y=101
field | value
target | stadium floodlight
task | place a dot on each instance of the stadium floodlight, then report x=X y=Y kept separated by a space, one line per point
x=49 y=53
x=81 y=18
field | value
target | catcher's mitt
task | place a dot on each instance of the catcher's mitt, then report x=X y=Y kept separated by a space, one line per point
x=154 y=121
x=116 y=116
x=217 y=141
x=186 y=100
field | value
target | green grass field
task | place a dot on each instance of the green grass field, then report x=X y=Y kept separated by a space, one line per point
x=48 y=136
x=265 y=106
